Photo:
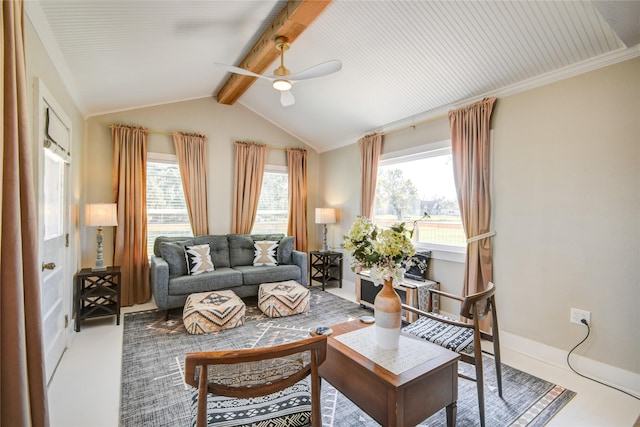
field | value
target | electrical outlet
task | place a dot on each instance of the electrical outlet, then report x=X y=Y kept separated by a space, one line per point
x=577 y=315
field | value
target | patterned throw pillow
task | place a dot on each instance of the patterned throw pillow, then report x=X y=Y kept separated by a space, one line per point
x=198 y=259
x=265 y=253
x=417 y=270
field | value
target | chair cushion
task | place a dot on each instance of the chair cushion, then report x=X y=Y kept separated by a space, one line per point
x=288 y=407
x=445 y=335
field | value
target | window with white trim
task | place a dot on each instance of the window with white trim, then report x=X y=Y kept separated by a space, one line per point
x=273 y=208
x=411 y=183
x=166 y=206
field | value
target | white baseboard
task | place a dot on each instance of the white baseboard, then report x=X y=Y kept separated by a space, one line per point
x=611 y=375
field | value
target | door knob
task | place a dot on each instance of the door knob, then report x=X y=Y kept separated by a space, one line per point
x=48 y=266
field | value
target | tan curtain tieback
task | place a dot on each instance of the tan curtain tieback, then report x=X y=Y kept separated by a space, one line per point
x=481 y=236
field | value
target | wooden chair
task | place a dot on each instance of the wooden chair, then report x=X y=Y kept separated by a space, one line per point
x=463 y=338
x=246 y=385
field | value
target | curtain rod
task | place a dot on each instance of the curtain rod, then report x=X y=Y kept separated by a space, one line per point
x=413 y=125
x=271 y=147
x=157 y=132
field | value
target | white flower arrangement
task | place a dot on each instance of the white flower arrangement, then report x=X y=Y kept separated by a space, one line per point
x=379 y=251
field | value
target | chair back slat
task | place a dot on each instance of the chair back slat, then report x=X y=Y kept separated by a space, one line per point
x=483 y=301
x=256 y=372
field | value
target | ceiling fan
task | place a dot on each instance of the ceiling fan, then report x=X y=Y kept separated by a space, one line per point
x=282 y=78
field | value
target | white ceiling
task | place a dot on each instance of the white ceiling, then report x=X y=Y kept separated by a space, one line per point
x=403 y=61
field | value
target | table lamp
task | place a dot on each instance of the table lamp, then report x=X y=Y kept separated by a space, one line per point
x=325 y=216
x=101 y=215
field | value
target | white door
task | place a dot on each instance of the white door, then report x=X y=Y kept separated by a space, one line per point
x=52 y=283
x=52 y=129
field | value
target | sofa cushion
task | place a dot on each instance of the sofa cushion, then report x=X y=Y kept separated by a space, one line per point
x=285 y=250
x=173 y=254
x=265 y=253
x=256 y=275
x=219 y=248
x=198 y=259
x=240 y=249
x=221 y=278
x=161 y=239
x=274 y=236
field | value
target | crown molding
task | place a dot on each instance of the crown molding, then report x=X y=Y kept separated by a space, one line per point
x=569 y=71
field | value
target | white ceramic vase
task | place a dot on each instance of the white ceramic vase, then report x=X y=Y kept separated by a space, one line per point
x=388 y=309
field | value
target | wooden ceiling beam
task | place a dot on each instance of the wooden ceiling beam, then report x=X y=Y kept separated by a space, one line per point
x=292 y=21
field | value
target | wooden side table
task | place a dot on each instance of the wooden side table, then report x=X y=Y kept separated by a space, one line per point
x=393 y=399
x=97 y=294
x=325 y=267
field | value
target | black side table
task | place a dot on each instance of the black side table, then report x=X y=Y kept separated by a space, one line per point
x=325 y=267
x=97 y=294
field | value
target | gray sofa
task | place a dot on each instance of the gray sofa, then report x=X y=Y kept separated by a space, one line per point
x=232 y=256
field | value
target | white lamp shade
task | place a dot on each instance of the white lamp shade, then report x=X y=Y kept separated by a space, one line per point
x=325 y=215
x=101 y=214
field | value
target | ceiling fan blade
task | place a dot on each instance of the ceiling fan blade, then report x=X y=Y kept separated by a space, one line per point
x=238 y=70
x=287 y=98
x=319 y=70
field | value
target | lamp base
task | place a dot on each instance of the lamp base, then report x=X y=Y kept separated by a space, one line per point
x=96 y=268
x=325 y=247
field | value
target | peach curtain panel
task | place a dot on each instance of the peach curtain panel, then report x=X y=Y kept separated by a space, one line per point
x=370 y=150
x=192 y=155
x=130 y=193
x=247 y=184
x=23 y=392
x=297 y=164
x=470 y=148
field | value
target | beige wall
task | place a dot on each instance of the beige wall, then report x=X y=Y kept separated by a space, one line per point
x=567 y=212
x=221 y=124
x=566 y=201
x=40 y=67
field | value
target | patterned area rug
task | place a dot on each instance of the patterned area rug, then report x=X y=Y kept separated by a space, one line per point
x=154 y=394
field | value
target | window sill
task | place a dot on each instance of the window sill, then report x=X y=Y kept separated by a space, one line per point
x=444 y=253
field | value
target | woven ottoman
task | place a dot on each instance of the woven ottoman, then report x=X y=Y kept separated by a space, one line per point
x=282 y=299
x=208 y=312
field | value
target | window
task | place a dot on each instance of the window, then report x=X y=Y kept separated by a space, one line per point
x=412 y=183
x=273 y=208
x=166 y=207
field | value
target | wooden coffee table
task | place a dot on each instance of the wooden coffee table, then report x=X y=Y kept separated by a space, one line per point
x=393 y=400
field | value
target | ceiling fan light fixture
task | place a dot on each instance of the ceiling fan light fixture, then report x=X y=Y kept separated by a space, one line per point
x=281 y=84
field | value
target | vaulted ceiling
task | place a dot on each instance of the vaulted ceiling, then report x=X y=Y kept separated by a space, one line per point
x=402 y=61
